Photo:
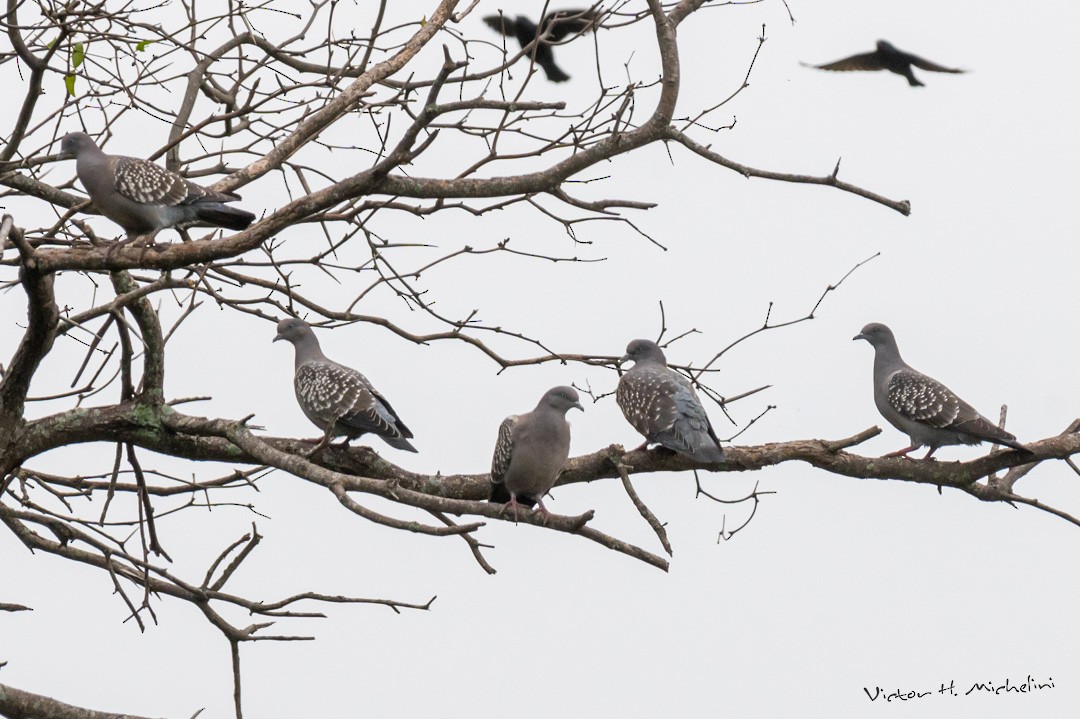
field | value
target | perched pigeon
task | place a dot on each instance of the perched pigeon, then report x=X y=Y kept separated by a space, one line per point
x=556 y=26
x=928 y=412
x=144 y=198
x=532 y=449
x=662 y=405
x=887 y=57
x=339 y=400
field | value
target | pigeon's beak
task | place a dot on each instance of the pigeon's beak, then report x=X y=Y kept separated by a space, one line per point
x=278 y=336
x=578 y=405
x=623 y=360
x=860 y=336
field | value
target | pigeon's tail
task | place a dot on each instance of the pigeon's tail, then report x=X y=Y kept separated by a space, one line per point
x=1015 y=445
x=990 y=432
x=709 y=453
x=702 y=447
x=219 y=215
x=400 y=443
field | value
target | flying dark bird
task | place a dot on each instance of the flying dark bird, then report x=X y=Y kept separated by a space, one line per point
x=887 y=57
x=662 y=405
x=338 y=399
x=554 y=27
x=144 y=198
x=532 y=449
x=928 y=412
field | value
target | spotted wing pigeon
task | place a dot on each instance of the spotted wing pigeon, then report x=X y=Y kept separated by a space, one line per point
x=336 y=397
x=662 y=405
x=887 y=57
x=554 y=27
x=532 y=449
x=928 y=412
x=144 y=198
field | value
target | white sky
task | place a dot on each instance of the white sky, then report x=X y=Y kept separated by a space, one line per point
x=837 y=584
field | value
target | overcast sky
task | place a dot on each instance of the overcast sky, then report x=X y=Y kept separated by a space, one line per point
x=838 y=584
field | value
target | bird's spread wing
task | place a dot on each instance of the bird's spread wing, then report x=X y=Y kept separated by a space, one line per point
x=144 y=182
x=923 y=399
x=504 y=450
x=866 y=61
x=931 y=66
x=561 y=24
x=501 y=24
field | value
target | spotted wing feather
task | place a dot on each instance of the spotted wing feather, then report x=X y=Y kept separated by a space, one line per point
x=144 y=182
x=923 y=399
x=331 y=394
x=504 y=450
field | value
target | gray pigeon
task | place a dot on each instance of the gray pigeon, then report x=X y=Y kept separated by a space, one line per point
x=144 y=198
x=339 y=400
x=662 y=405
x=532 y=449
x=928 y=412
x=887 y=57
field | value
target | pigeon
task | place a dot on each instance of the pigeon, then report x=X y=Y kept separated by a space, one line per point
x=928 y=412
x=554 y=27
x=144 y=198
x=337 y=399
x=532 y=449
x=662 y=405
x=887 y=57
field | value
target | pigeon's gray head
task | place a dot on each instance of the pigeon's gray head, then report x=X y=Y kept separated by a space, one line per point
x=293 y=330
x=75 y=142
x=562 y=399
x=644 y=351
x=877 y=335
x=884 y=46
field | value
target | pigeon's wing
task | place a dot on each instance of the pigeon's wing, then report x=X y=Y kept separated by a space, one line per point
x=337 y=394
x=149 y=184
x=923 y=64
x=866 y=61
x=144 y=182
x=561 y=24
x=924 y=400
x=504 y=450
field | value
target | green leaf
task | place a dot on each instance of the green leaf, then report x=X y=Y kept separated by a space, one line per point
x=52 y=42
x=78 y=55
x=69 y=82
x=143 y=44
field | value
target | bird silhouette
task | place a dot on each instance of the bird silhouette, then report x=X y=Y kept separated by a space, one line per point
x=554 y=27
x=887 y=57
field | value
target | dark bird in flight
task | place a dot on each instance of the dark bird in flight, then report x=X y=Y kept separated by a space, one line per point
x=928 y=412
x=554 y=27
x=887 y=57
